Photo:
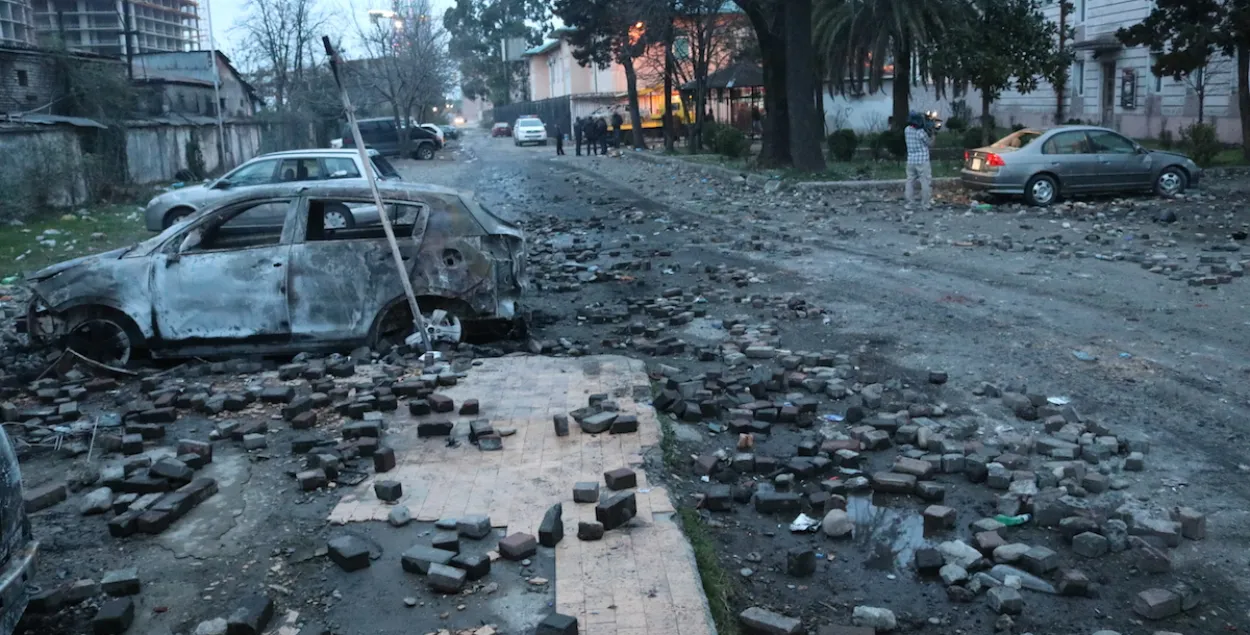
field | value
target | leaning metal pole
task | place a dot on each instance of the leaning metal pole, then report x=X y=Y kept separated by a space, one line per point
x=418 y=320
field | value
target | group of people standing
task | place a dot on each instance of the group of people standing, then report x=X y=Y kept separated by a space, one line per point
x=594 y=132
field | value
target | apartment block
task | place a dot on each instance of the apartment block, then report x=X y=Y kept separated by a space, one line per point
x=101 y=26
x=17 y=23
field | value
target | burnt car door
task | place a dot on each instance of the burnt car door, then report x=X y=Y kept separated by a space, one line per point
x=225 y=276
x=341 y=278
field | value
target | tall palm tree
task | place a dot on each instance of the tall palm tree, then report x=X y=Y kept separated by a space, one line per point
x=861 y=41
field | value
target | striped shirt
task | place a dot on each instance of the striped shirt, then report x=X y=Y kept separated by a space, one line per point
x=917 y=145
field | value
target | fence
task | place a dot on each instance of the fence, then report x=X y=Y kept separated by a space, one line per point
x=157 y=150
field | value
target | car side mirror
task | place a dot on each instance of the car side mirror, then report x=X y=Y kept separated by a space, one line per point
x=221 y=184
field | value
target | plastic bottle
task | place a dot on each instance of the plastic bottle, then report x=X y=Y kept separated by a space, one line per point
x=1012 y=521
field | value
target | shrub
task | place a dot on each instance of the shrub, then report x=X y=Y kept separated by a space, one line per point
x=973 y=138
x=956 y=124
x=1166 y=140
x=842 y=144
x=710 y=130
x=892 y=143
x=1200 y=143
x=1073 y=122
x=195 y=158
x=730 y=142
x=1017 y=127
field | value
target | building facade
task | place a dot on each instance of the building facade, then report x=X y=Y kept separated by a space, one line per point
x=182 y=83
x=17 y=23
x=1109 y=84
x=97 y=26
x=32 y=80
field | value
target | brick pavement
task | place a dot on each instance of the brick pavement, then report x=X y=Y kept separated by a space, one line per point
x=638 y=580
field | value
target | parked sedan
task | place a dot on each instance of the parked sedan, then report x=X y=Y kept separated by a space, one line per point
x=1043 y=165
x=501 y=129
x=260 y=272
x=277 y=167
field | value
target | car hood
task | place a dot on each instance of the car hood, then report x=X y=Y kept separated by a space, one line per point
x=524 y=128
x=1170 y=156
x=194 y=195
x=88 y=261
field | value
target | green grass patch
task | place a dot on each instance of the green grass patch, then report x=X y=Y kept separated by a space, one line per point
x=718 y=585
x=99 y=229
x=868 y=170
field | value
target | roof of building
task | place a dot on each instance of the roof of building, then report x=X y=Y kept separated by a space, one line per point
x=145 y=71
x=50 y=120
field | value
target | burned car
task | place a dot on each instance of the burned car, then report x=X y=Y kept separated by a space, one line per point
x=262 y=273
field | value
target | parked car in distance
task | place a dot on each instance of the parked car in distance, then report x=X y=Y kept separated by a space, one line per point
x=437 y=131
x=501 y=129
x=260 y=272
x=529 y=130
x=451 y=132
x=18 y=546
x=1044 y=165
x=381 y=134
x=276 y=167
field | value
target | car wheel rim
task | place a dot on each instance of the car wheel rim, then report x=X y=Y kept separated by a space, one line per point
x=1169 y=182
x=1043 y=191
x=335 y=220
x=101 y=340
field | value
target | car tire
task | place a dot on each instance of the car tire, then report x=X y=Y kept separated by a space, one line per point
x=1171 y=181
x=1041 y=190
x=176 y=214
x=341 y=212
x=425 y=153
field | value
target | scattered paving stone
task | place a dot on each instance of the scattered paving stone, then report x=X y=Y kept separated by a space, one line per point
x=475 y=567
x=875 y=618
x=121 y=582
x=255 y=442
x=1156 y=604
x=97 y=501
x=251 y=617
x=1073 y=583
x=470 y=407
x=349 y=553
x=1006 y=600
x=475 y=526
x=447 y=541
x=764 y=621
x=590 y=530
x=389 y=491
x=953 y=574
x=1089 y=545
x=620 y=478
x=800 y=562
x=616 y=510
x=837 y=523
x=597 y=423
x=893 y=483
x=1193 y=523
x=43 y=497
x=441 y=403
x=518 y=546
x=561 y=424
x=417 y=559
x=586 y=492
x=557 y=624
x=445 y=578
x=551 y=531
x=114 y=617
x=938 y=518
x=383 y=460
x=1040 y=560
x=399 y=516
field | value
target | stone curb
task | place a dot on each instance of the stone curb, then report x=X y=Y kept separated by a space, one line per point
x=760 y=181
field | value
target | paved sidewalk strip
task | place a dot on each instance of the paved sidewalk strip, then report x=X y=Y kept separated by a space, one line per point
x=638 y=580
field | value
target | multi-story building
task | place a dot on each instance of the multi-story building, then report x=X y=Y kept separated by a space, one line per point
x=100 y=26
x=17 y=23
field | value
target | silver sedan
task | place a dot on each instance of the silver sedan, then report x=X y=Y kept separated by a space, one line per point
x=1042 y=165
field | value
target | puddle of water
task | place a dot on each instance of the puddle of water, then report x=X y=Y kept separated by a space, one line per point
x=889 y=536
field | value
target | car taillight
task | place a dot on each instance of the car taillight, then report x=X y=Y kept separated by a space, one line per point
x=994 y=161
x=966 y=155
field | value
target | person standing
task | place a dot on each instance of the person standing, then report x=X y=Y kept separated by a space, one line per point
x=918 y=167
x=592 y=136
x=578 y=127
x=757 y=121
x=601 y=127
x=559 y=133
x=617 y=122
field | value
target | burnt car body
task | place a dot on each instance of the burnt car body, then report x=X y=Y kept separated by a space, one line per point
x=17 y=544
x=260 y=272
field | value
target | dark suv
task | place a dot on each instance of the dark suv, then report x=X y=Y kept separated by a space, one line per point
x=381 y=134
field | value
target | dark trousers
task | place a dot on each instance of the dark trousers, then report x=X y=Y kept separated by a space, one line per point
x=603 y=144
x=577 y=140
x=559 y=145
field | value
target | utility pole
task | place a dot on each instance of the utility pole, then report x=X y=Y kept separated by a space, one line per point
x=128 y=29
x=222 y=160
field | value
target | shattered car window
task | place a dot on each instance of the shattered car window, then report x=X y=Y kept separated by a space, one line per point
x=343 y=219
x=254 y=224
x=384 y=167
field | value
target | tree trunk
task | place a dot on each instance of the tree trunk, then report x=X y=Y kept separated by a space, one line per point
x=902 y=86
x=669 y=137
x=1243 y=97
x=986 y=128
x=1202 y=101
x=800 y=73
x=767 y=23
x=400 y=129
x=631 y=86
